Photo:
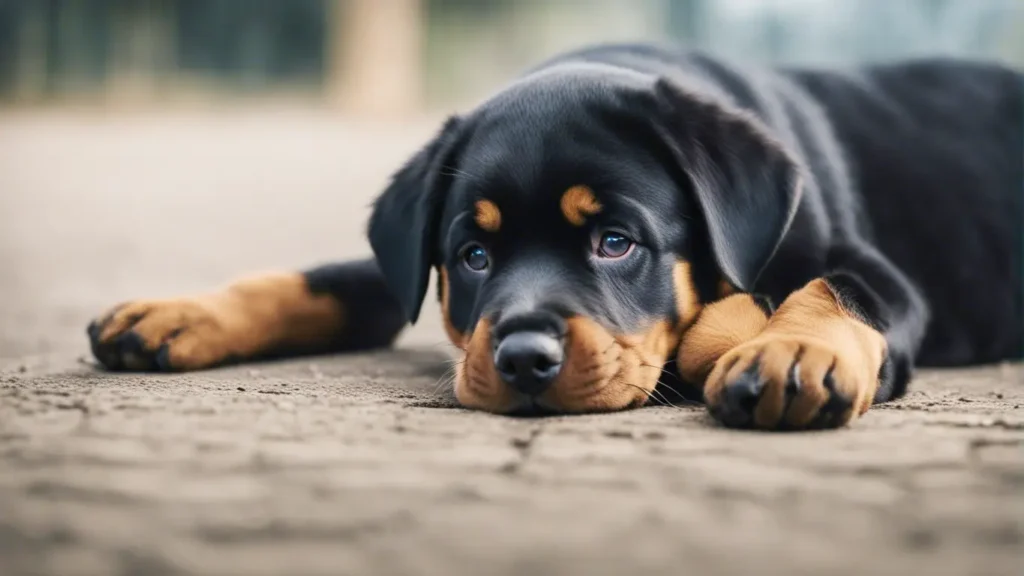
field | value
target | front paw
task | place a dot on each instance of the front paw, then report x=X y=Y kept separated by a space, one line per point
x=781 y=382
x=164 y=335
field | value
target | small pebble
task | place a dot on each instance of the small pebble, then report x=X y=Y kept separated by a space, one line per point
x=240 y=389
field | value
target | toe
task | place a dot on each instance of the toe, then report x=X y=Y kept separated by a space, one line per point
x=193 y=349
x=776 y=361
x=121 y=319
x=811 y=394
x=106 y=354
x=837 y=410
x=133 y=353
x=162 y=360
x=739 y=399
x=161 y=325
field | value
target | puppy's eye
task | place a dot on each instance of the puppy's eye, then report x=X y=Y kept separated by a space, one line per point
x=475 y=258
x=613 y=245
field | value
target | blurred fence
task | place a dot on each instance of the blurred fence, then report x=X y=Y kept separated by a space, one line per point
x=398 y=56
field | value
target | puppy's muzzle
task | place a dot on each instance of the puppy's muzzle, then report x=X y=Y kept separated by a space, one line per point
x=529 y=361
x=529 y=352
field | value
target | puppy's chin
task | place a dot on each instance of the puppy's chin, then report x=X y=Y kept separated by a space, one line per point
x=602 y=371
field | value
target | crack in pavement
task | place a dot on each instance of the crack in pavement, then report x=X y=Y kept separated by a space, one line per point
x=524 y=447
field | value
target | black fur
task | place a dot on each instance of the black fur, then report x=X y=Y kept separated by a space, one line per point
x=900 y=183
x=372 y=315
x=404 y=224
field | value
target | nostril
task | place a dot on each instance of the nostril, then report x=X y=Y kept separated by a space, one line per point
x=546 y=367
x=528 y=361
x=506 y=366
x=543 y=364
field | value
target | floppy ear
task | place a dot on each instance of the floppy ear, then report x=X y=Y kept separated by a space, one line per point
x=403 y=225
x=746 y=183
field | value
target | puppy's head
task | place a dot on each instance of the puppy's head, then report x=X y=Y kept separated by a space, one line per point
x=577 y=220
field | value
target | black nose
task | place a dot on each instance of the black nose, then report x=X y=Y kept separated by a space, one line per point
x=528 y=361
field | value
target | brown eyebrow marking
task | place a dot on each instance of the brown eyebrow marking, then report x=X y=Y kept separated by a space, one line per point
x=577 y=203
x=488 y=216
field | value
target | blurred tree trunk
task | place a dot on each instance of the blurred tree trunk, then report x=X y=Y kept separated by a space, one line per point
x=141 y=50
x=374 y=56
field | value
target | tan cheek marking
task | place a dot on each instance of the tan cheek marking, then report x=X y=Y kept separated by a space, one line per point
x=606 y=372
x=477 y=384
x=456 y=337
x=577 y=203
x=488 y=216
x=688 y=303
x=583 y=384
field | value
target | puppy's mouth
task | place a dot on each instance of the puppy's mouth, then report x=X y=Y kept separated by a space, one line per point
x=600 y=372
x=532 y=408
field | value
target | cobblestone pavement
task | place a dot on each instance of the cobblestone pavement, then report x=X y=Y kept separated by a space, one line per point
x=360 y=464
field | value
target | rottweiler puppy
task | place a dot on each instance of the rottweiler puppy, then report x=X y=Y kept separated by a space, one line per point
x=791 y=241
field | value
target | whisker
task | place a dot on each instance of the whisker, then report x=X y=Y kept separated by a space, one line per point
x=444 y=381
x=439 y=344
x=650 y=394
x=662 y=370
x=449 y=375
x=684 y=401
x=596 y=368
x=661 y=395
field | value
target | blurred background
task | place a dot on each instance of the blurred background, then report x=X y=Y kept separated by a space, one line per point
x=389 y=57
x=154 y=147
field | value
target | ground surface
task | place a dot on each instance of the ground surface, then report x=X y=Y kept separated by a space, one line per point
x=359 y=465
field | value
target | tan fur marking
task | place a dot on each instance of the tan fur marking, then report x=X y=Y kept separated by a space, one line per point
x=245 y=319
x=577 y=203
x=454 y=335
x=477 y=384
x=721 y=326
x=688 y=302
x=810 y=326
x=725 y=289
x=488 y=216
x=604 y=371
x=601 y=371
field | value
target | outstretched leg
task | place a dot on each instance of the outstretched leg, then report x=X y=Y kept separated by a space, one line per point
x=335 y=307
x=834 y=347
